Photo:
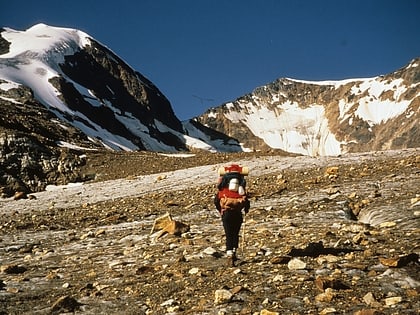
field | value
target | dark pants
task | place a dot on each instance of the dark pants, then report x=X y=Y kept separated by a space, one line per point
x=232 y=221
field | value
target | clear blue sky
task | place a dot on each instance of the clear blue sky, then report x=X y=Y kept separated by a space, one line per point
x=202 y=53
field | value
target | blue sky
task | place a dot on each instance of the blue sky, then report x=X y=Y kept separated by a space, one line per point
x=203 y=53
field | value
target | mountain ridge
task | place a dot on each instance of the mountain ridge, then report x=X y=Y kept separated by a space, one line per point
x=341 y=116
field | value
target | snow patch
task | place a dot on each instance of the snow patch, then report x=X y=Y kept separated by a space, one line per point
x=11 y=100
x=336 y=83
x=65 y=144
x=6 y=86
x=45 y=41
x=380 y=111
x=293 y=129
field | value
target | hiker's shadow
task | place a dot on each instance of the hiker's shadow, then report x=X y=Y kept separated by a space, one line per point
x=311 y=250
x=317 y=249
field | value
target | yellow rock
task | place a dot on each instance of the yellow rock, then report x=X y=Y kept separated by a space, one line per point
x=267 y=312
x=387 y=224
x=393 y=300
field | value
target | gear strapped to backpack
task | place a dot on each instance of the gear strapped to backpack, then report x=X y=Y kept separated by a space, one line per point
x=232 y=189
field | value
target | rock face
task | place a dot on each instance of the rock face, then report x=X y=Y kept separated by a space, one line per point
x=119 y=85
x=30 y=157
x=324 y=118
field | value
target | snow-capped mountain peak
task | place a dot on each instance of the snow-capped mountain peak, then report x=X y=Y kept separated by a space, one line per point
x=44 y=42
x=87 y=85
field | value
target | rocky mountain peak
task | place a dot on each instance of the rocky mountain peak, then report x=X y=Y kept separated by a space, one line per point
x=87 y=85
x=324 y=117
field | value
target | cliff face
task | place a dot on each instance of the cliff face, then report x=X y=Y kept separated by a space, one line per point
x=324 y=118
x=122 y=92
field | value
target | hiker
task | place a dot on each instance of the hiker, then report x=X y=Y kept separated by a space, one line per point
x=230 y=200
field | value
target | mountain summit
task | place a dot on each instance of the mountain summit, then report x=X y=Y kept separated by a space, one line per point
x=63 y=93
x=85 y=84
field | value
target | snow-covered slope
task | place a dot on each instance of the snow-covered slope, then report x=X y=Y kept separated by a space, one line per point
x=88 y=86
x=323 y=118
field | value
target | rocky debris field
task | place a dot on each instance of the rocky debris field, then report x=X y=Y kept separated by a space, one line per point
x=331 y=235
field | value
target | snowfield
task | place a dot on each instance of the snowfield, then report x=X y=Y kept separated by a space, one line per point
x=82 y=193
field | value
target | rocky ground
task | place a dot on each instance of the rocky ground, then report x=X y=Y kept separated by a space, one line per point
x=323 y=236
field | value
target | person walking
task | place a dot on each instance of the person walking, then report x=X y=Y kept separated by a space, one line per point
x=231 y=200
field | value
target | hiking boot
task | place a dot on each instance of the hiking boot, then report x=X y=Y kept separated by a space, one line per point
x=231 y=260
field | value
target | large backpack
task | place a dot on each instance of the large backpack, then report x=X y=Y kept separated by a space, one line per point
x=227 y=179
x=232 y=187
